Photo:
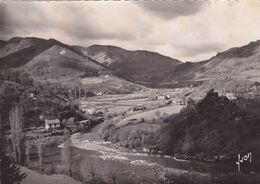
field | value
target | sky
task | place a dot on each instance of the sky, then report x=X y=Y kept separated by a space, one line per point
x=185 y=30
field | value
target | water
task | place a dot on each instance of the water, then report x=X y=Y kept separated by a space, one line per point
x=107 y=160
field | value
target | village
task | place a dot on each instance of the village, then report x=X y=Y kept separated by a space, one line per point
x=90 y=111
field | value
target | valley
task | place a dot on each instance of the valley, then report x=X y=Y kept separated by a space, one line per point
x=94 y=112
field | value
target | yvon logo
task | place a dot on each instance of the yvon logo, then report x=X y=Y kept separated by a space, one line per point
x=241 y=159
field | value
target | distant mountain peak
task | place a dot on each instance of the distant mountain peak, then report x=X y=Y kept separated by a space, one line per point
x=18 y=39
x=240 y=52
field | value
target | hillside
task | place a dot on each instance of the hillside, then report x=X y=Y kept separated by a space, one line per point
x=58 y=62
x=142 y=67
x=235 y=70
x=241 y=62
x=54 y=61
x=201 y=130
x=97 y=64
x=153 y=69
x=182 y=75
x=15 y=44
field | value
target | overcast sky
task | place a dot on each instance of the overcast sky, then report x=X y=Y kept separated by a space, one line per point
x=189 y=31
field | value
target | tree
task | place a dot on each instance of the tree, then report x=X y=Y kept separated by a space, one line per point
x=40 y=154
x=67 y=153
x=10 y=173
x=1 y=133
x=17 y=136
x=27 y=151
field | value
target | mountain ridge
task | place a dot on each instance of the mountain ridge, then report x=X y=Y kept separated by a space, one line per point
x=143 y=67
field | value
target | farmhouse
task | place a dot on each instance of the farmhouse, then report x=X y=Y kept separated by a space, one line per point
x=99 y=94
x=163 y=97
x=179 y=102
x=230 y=96
x=52 y=123
x=87 y=121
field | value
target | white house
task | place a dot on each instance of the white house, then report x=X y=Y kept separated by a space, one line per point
x=52 y=123
x=99 y=94
x=179 y=102
x=230 y=96
x=161 y=97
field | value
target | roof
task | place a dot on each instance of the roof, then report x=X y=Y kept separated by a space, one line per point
x=52 y=121
x=84 y=121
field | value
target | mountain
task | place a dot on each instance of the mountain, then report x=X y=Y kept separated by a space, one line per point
x=2 y=43
x=241 y=62
x=51 y=59
x=15 y=44
x=140 y=66
x=235 y=70
x=155 y=70
x=54 y=61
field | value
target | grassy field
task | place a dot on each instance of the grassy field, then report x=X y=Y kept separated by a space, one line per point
x=120 y=103
x=131 y=126
x=149 y=115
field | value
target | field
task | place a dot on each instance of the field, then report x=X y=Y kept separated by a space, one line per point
x=149 y=115
x=120 y=103
x=131 y=118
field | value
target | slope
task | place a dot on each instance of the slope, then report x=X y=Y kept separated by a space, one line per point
x=142 y=67
x=54 y=61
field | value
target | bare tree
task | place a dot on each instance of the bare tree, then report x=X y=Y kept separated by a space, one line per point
x=27 y=151
x=40 y=154
x=67 y=153
x=92 y=173
x=113 y=174
x=1 y=133
x=17 y=136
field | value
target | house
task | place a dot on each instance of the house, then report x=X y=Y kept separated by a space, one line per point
x=84 y=123
x=179 y=102
x=230 y=96
x=161 y=97
x=52 y=123
x=99 y=94
x=32 y=95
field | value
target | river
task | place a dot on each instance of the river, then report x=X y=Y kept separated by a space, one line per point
x=107 y=161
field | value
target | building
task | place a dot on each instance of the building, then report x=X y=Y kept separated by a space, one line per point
x=84 y=123
x=230 y=96
x=179 y=102
x=99 y=94
x=52 y=123
x=163 y=97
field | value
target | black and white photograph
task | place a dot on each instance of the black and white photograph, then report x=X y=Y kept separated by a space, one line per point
x=130 y=92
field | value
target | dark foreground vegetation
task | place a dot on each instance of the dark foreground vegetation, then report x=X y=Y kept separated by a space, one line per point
x=10 y=172
x=213 y=127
